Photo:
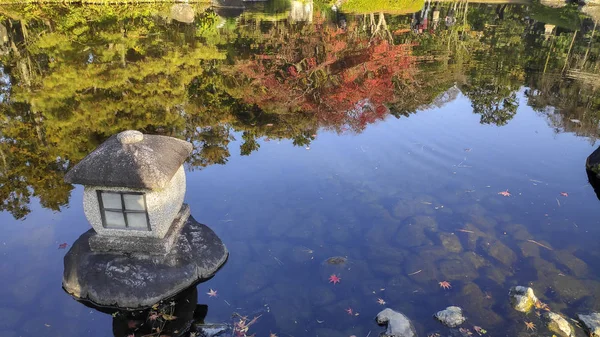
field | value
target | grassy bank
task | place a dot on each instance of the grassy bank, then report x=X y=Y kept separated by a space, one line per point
x=387 y=6
x=99 y=1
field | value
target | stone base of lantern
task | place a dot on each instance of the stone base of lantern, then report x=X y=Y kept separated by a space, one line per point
x=137 y=280
x=144 y=245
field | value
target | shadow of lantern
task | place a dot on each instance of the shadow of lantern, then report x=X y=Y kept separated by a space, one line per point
x=180 y=315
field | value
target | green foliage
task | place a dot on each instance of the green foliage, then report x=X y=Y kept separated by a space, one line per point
x=565 y=17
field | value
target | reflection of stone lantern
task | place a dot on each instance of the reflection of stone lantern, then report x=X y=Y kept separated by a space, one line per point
x=144 y=245
x=548 y=30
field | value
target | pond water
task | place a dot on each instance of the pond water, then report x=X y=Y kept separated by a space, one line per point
x=384 y=138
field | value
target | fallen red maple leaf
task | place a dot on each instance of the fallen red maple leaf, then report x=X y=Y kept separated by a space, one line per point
x=334 y=279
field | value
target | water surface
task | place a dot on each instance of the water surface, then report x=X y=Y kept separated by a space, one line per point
x=317 y=133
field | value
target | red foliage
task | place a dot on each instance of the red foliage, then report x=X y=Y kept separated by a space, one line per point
x=347 y=88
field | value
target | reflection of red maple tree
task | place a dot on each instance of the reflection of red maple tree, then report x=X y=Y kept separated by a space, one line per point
x=347 y=86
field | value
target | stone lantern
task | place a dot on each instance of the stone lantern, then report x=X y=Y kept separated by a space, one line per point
x=134 y=189
x=144 y=245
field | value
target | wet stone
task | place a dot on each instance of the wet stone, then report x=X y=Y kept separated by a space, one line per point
x=517 y=232
x=568 y=287
x=498 y=251
x=557 y=324
x=398 y=325
x=322 y=296
x=413 y=232
x=405 y=208
x=451 y=317
x=529 y=250
x=336 y=260
x=571 y=262
x=450 y=242
x=483 y=222
x=591 y=322
x=420 y=269
x=497 y=275
x=476 y=260
x=522 y=298
x=457 y=269
x=139 y=280
x=255 y=278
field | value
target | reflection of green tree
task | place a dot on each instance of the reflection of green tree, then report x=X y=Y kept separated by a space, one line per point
x=80 y=74
x=496 y=105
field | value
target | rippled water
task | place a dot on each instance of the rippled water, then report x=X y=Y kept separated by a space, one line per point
x=312 y=140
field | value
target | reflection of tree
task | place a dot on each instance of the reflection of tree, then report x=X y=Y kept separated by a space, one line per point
x=496 y=105
x=78 y=75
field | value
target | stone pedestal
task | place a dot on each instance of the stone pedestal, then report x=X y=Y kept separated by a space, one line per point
x=137 y=280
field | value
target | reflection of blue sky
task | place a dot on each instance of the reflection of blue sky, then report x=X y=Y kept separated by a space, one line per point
x=337 y=183
x=421 y=151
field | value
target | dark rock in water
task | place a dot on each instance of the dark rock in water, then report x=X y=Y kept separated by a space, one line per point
x=594 y=180
x=450 y=242
x=558 y=325
x=336 y=260
x=451 y=317
x=592 y=162
x=138 y=280
x=522 y=298
x=398 y=325
x=591 y=322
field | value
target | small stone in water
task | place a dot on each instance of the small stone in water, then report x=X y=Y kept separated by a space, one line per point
x=451 y=316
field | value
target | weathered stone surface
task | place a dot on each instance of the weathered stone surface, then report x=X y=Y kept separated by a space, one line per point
x=398 y=325
x=140 y=280
x=451 y=316
x=522 y=298
x=559 y=325
x=130 y=160
x=591 y=322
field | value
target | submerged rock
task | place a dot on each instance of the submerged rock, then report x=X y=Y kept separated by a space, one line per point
x=522 y=298
x=499 y=251
x=559 y=325
x=450 y=242
x=591 y=322
x=398 y=325
x=451 y=316
x=336 y=260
